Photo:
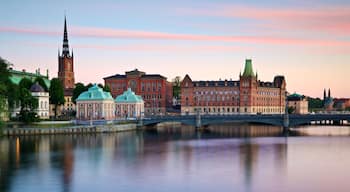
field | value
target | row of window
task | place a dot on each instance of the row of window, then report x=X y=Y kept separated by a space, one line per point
x=151 y=96
x=216 y=92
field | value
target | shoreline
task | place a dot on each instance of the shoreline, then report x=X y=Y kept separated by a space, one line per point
x=76 y=129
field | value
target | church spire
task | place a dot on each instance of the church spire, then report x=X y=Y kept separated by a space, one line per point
x=65 y=49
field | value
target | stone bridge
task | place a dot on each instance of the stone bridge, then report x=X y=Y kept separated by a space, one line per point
x=279 y=120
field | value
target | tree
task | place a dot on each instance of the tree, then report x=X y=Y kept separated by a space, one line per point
x=41 y=83
x=176 y=87
x=106 y=88
x=25 y=83
x=56 y=93
x=291 y=110
x=28 y=105
x=4 y=86
x=79 y=88
x=89 y=85
x=27 y=102
x=315 y=103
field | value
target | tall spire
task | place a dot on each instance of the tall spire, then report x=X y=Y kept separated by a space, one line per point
x=65 y=49
x=329 y=93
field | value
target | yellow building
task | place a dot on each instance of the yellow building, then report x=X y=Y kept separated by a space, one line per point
x=299 y=103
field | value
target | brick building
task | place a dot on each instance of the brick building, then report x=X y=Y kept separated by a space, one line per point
x=155 y=90
x=66 y=73
x=248 y=95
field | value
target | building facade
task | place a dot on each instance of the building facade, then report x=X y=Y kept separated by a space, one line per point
x=95 y=104
x=66 y=73
x=43 y=110
x=248 y=95
x=299 y=103
x=154 y=89
x=129 y=105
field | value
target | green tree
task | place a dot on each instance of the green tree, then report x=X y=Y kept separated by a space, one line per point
x=106 y=88
x=28 y=105
x=291 y=110
x=89 y=85
x=315 y=103
x=4 y=71
x=79 y=88
x=41 y=83
x=25 y=83
x=56 y=93
x=176 y=87
x=8 y=90
x=13 y=96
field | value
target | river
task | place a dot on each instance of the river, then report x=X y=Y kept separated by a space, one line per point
x=225 y=158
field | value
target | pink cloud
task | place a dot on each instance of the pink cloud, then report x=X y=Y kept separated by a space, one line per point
x=149 y=47
x=133 y=34
x=322 y=19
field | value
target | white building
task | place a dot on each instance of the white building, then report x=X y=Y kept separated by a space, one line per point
x=129 y=105
x=95 y=104
x=43 y=100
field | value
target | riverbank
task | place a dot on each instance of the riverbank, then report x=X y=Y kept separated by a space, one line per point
x=80 y=129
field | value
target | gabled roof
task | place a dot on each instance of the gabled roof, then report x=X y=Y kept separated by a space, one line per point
x=116 y=76
x=128 y=97
x=94 y=93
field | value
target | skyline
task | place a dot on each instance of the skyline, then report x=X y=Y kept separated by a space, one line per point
x=206 y=40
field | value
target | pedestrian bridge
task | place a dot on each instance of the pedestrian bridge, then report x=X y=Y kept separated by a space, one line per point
x=278 y=120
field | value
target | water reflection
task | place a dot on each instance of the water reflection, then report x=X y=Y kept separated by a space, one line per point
x=321 y=131
x=175 y=159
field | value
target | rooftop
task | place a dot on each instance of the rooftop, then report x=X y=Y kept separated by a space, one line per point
x=94 y=93
x=129 y=97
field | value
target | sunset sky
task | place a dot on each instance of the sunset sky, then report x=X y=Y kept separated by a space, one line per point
x=308 y=41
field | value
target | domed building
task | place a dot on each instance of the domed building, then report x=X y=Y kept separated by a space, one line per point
x=39 y=92
x=95 y=104
x=129 y=105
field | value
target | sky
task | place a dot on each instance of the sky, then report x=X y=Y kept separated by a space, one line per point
x=307 y=41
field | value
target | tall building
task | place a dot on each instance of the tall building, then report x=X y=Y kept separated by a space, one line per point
x=248 y=95
x=154 y=89
x=66 y=72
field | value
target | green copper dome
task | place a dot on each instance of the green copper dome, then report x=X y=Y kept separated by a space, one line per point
x=94 y=93
x=129 y=97
x=248 y=68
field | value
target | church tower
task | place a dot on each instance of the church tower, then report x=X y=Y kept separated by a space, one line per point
x=66 y=64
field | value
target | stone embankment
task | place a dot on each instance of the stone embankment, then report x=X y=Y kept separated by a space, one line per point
x=68 y=130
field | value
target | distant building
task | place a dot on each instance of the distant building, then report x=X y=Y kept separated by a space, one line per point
x=129 y=105
x=248 y=95
x=43 y=110
x=66 y=73
x=17 y=76
x=95 y=104
x=155 y=90
x=342 y=103
x=327 y=100
x=299 y=103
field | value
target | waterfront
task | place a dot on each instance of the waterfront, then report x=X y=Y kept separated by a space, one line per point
x=228 y=158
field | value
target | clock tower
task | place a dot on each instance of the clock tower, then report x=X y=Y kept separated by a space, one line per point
x=66 y=64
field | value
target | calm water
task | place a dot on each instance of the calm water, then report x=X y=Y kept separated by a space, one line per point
x=228 y=158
